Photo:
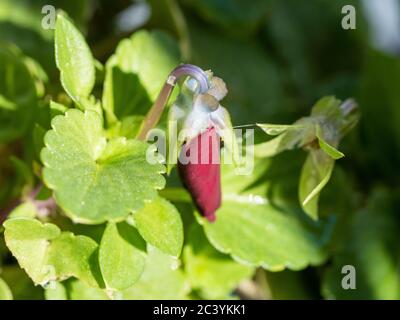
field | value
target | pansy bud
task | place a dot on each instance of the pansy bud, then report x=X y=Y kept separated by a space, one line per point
x=201 y=175
x=202 y=123
x=203 y=126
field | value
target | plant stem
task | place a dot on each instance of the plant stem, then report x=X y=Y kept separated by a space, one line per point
x=156 y=110
x=154 y=115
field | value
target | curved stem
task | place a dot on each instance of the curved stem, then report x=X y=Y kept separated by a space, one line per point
x=154 y=115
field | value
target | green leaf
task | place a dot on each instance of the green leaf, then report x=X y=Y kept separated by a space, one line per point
x=95 y=180
x=28 y=240
x=289 y=137
x=128 y=127
x=73 y=59
x=160 y=224
x=74 y=289
x=273 y=146
x=326 y=147
x=47 y=255
x=74 y=256
x=276 y=129
x=26 y=209
x=315 y=175
x=5 y=292
x=56 y=291
x=254 y=231
x=327 y=124
x=122 y=256
x=78 y=290
x=161 y=279
x=214 y=274
x=18 y=93
x=136 y=73
x=370 y=245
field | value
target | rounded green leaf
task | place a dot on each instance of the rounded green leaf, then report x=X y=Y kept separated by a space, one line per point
x=160 y=224
x=316 y=172
x=74 y=256
x=47 y=254
x=73 y=59
x=136 y=73
x=56 y=292
x=96 y=180
x=260 y=235
x=28 y=241
x=78 y=290
x=161 y=279
x=254 y=231
x=24 y=210
x=122 y=256
x=276 y=129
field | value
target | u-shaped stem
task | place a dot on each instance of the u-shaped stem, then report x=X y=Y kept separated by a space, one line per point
x=154 y=114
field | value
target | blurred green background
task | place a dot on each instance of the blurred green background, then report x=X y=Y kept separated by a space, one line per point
x=277 y=58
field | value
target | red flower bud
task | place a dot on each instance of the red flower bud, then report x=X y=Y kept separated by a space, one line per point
x=201 y=174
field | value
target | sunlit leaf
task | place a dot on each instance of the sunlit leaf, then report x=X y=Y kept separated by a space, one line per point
x=289 y=137
x=28 y=240
x=78 y=290
x=47 y=254
x=253 y=231
x=276 y=129
x=56 y=291
x=136 y=73
x=96 y=180
x=74 y=60
x=160 y=224
x=161 y=279
x=326 y=147
x=122 y=256
x=315 y=175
